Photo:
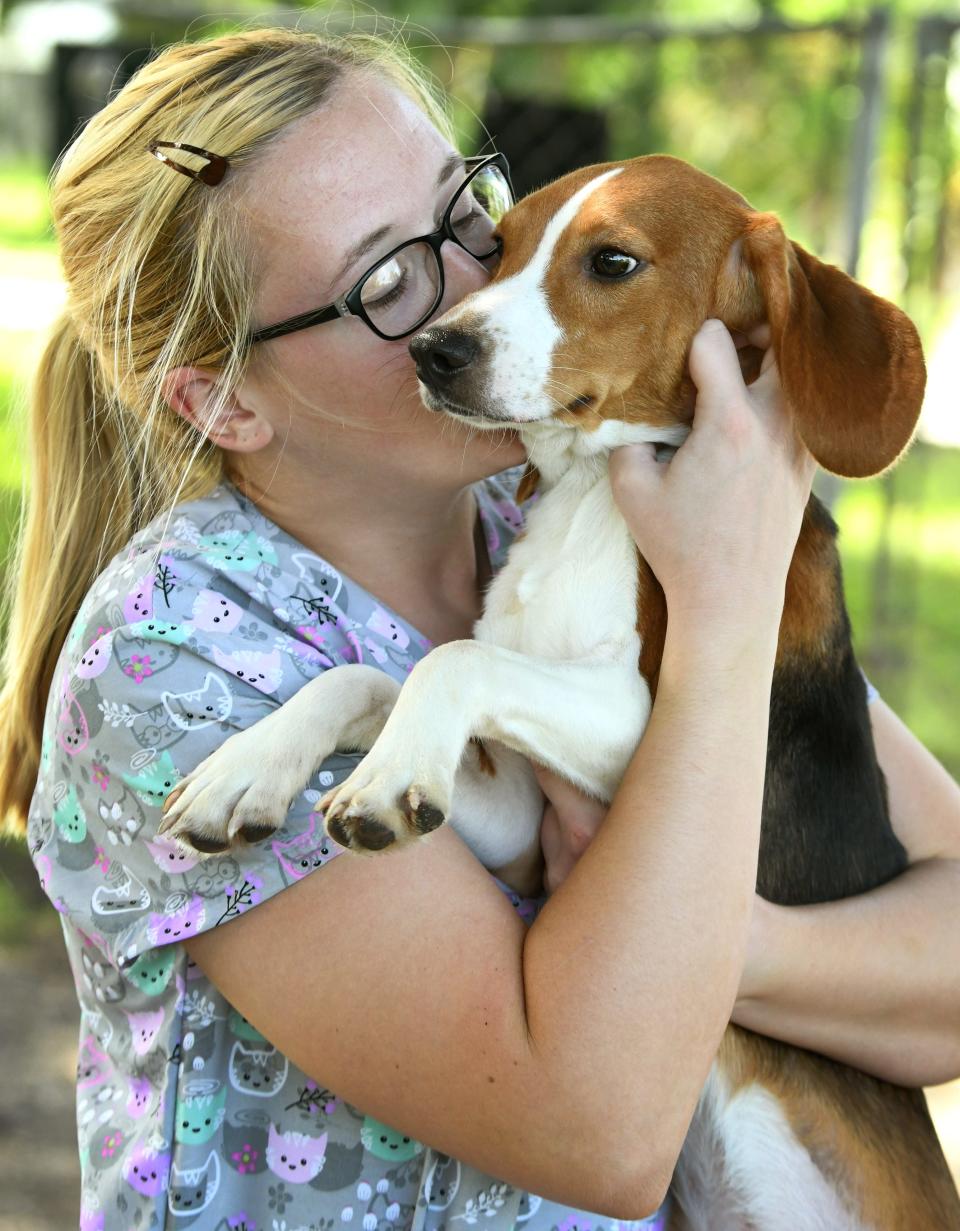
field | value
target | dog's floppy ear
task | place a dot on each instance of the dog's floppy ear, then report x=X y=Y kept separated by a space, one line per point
x=850 y=363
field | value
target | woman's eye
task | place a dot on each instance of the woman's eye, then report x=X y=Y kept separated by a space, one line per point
x=611 y=263
x=473 y=219
x=383 y=281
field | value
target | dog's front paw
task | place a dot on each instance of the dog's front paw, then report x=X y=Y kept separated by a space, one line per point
x=241 y=791
x=377 y=808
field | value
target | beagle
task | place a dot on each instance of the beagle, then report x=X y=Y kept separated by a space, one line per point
x=581 y=339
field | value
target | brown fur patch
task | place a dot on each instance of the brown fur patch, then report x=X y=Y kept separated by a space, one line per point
x=853 y=1125
x=529 y=482
x=651 y=623
x=487 y=765
x=813 y=601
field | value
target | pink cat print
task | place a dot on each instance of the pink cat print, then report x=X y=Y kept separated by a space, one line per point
x=263 y=671
x=144 y=1030
x=138 y=605
x=295 y=1157
x=180 y=924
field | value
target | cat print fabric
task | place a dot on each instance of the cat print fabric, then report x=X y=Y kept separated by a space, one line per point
x=187 y=1117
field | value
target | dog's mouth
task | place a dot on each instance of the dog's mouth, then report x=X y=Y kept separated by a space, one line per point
x=478 y=417
x=481 y=416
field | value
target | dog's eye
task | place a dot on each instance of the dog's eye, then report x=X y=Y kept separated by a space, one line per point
x=611 y=263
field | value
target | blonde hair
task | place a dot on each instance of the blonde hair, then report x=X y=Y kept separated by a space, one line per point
x=157 y=275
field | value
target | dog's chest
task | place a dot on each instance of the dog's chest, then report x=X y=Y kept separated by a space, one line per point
x=569 y=587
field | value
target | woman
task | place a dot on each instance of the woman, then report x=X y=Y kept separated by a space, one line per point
x=211 y=523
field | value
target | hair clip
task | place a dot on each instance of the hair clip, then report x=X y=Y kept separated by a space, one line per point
x=211 y=174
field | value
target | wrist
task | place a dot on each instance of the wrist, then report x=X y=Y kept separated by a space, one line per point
x=736 y=647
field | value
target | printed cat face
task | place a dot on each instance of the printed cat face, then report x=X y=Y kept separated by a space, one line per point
x=442 y=1182
x=147 y=1171
x=159 y=630
x=155 y=781
x=381 y=622
x=69 y=818
x=305 y=851
x=213 y=612
x=73 y=733
x=236 y=552
x=180 y=924
x=262 y=670
x=201 y=708
x=144 y=1030
x=385 y=1142
x=199 y=1116
x=95 y=660
x=257 y=1071
x=170 y=856
x=139 y=1094
x=151 y=971
x=138 y=605
x=295 y=1157
x=191 y=1192
x=117 y=903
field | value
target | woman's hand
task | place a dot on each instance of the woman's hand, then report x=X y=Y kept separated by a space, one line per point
x=570 y=821
x=719 y=522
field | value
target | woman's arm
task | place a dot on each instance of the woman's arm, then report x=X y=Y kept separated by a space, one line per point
x=534 y=1055
x=872 y=980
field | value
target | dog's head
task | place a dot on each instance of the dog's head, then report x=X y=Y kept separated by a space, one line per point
x=605 y=277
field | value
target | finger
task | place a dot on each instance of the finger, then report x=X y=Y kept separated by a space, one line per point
x=636 y=478
x=715 y=368
x=760 y=336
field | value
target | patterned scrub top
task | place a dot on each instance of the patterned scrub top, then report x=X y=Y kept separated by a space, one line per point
x=209 y=619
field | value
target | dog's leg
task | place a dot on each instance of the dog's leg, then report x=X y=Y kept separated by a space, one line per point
x=246 y=786
x=582 y=719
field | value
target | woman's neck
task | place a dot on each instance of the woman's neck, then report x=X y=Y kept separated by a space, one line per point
x=420 y=551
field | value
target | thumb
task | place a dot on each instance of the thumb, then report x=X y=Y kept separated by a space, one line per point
x=635 y=477
x=714 y=367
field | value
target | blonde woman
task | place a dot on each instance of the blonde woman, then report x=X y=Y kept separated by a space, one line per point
x=234 y=487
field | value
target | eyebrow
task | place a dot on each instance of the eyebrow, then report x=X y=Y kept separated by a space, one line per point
x=369 y=242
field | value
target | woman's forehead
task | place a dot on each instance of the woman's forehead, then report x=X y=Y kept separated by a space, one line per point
x=368 y=157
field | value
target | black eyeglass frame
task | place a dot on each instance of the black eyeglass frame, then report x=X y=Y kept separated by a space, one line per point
x=350 y=304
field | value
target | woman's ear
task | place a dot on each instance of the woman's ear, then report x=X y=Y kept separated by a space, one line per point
x=195 y=394
x=850 y=363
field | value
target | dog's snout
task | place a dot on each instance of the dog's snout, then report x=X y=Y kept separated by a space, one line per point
x=441 y=354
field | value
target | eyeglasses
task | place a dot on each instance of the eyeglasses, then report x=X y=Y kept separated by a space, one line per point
x=404 y=289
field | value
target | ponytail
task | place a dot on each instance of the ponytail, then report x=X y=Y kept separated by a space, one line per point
x=158 y=278
x=53 y=564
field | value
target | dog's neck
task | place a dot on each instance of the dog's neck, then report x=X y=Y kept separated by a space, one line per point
x=555 y=449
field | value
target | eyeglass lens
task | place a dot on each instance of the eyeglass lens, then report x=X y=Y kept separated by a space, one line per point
x=404 y=290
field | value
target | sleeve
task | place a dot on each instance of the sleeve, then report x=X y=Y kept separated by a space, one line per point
x=872 y=694
x=141 y=697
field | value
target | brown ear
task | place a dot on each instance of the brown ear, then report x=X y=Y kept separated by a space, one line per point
x=851 y=363
x=529 y=482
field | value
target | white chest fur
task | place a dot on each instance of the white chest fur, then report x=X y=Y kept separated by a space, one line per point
x=569 y=588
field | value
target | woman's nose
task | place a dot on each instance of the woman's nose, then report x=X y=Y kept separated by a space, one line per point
x=462 y=273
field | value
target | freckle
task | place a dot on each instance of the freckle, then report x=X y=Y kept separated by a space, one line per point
x=490 y=1080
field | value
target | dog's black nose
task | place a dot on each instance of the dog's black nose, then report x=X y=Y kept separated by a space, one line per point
x=441 y=354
